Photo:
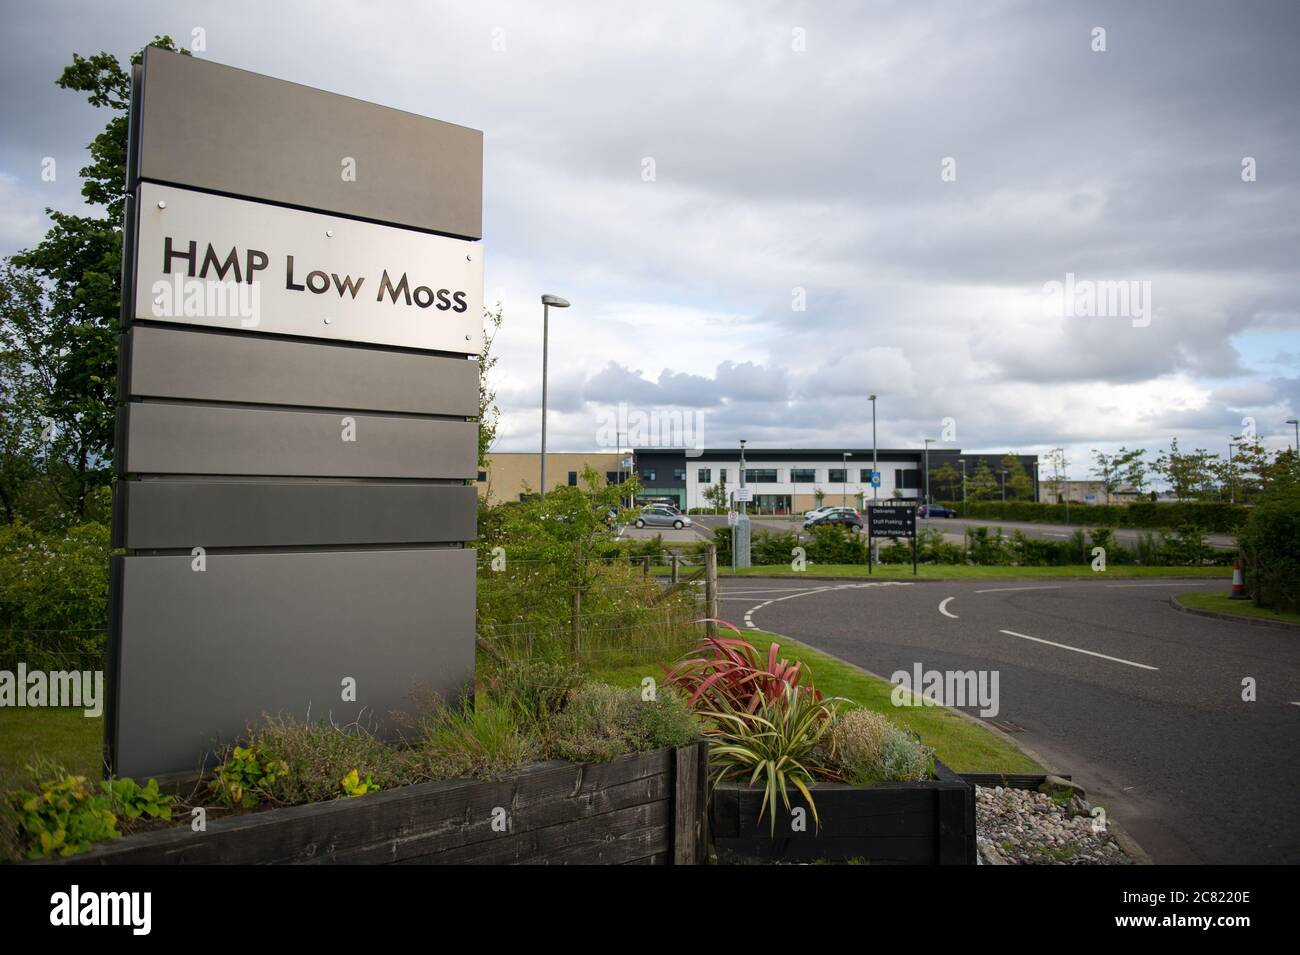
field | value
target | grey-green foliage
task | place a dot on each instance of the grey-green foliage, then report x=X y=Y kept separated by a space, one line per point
x=601 y=722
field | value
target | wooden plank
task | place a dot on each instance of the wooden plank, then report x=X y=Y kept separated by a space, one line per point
x=952 y=828
x=396 y=818
x=685 y=808
x=610 y=838
x=454 y=829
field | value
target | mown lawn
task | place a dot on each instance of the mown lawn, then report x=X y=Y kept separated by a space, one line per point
x=962 y=744
x=976 y=572
x=61 y=734
x=1222 y=603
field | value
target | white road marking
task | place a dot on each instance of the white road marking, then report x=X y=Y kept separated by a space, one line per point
x=1063 y=646
x=1002 y=590
x=749 y=618
x=1173 y=583
x=943 y=605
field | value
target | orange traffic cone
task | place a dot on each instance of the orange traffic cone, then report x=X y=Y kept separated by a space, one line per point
x=1238 y=587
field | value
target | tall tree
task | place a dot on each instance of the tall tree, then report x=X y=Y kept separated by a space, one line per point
x=1119 y=469
x=983 y=484
x=1019 y=482
x=78 y=265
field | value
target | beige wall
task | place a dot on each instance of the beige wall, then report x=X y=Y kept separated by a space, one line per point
x=511 y=473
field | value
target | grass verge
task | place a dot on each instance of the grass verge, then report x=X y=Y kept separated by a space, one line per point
x=964 y=745
x=976 y=572
x=1222 y=603
x=58 y=733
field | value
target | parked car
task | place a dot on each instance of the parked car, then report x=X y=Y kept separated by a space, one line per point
x=817 y=512
x=846 y=517
x=935 y=510
x=662 y=515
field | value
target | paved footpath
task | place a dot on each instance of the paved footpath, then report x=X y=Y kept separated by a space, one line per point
x=1104 y=680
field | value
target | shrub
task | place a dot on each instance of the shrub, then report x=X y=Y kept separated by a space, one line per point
x=727 y=673
x=778 y=746
x=312 y=758
x=865 y=748
x=904 y=758
x=602 y=722
x=247 y=776
x=856 y=741
x=53 y=593
x=537 y=688
x=479 y=739
x=65 y=814
x=1270 y=547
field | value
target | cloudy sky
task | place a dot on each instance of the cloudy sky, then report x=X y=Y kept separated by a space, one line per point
x=763 y=212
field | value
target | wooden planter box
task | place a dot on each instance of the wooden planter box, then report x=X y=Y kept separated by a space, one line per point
x=924 y=823
x=646 y=809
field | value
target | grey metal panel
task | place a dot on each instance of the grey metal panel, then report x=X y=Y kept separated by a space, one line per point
x=167 y=438
x=227 y=130
x=172 y=363
x=202 y=654
x=164 y=514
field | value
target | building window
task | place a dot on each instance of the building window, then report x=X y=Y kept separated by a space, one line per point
x=573 y=479
x=722 y=475
x=482 y=475
x=865 y=475
x=679 y=474
x=803 y=475
x=704 y=476
x=907 y=479
x=648 y=474
x=837 y=475
x=760 y=475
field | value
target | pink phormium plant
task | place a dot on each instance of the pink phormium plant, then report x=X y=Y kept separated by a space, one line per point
x=727 y=672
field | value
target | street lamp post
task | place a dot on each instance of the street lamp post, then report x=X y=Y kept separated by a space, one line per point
x=547 y=302
x=875 y=464
x=844 y=473
x=1232 y=478
x=1296 y=422
x=1003 y=472
x=743 y=509
x=928 y=441
x=962 y=462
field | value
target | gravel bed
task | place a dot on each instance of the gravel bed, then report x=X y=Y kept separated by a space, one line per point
x=1024 y=827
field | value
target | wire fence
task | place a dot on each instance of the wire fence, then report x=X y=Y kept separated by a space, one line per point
x=619 y=615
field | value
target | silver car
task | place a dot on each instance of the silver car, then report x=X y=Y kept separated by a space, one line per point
x=659 y=516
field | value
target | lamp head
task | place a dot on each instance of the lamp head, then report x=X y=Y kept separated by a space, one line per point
x=555 y=301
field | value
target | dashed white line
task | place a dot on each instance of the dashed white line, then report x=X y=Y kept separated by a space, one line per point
x=1091 y=653
x=943 y=605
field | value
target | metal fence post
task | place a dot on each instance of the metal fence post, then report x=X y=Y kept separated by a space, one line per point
x=711 y=588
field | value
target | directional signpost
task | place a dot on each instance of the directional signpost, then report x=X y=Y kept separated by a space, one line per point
x=891 y=520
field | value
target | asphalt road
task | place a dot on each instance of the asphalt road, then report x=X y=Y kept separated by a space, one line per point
x=1150 y=720
x=954 y=529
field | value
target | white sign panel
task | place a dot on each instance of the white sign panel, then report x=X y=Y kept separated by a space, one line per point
x=743 y=494
x=230 y=263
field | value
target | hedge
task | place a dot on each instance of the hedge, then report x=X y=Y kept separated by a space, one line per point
x=1210 y=516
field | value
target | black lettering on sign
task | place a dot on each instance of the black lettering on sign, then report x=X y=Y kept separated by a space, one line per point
x=288 y=276
x=169 y=253
x=385 y=283
x=220 y=267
